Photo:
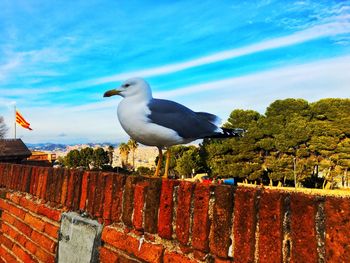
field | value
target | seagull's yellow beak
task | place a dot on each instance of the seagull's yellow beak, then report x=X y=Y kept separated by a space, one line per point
x=111 y=92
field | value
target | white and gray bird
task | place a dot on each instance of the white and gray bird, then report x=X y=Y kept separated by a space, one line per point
x=163 y=123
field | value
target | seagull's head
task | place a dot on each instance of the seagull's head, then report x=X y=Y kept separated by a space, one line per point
x=131 y=87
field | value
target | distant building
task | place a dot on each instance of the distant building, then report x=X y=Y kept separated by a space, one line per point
x=13 y=151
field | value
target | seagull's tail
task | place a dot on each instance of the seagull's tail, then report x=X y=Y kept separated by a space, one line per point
x=228 y=133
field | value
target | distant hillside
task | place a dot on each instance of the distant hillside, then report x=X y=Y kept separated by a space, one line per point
x=61 y=147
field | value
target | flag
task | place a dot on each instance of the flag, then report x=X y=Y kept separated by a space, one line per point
x=21 y=121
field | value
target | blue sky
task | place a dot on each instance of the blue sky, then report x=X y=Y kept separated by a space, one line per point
x=57 y=58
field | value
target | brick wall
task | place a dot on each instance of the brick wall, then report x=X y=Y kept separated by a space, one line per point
x=155 y=220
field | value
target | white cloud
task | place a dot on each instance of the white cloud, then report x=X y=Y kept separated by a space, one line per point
x=340 y=26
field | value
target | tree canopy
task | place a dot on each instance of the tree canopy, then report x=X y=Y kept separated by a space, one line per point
x=292 y=136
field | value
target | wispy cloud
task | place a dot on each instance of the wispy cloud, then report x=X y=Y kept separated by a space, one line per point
x=315 y=32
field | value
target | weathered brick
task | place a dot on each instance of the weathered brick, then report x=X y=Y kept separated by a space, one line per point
x=51 y=230
x=6 y=217
x=64 y=187
x=45 y=256
x=152 y=204
x=201 y=224
x=29 y=204
x=220 y=231
x=245 y=221
x=43 y=241
x=9 y=230
x=70 y=189
x=173 y=257
x=21 y=254
x=6 y=242
x=50 y=213
x=22 y=227
x=270 y=226
x=77 y=178
x=165 y=217
x=84 y=191
x=107 y=202
x=34 y=222
x=99 y=195
x=108 y=256
x=7 y=256
x=337 y=214
x=139 y=203
x=146 y=251
x=91 y=192
x=117 y=196
x=184 y=211
x=128 y=199
x=50 y=186
x=34 y=180
x=27 y=173
x=58 y=175
x=14 y=210
x=303 y=210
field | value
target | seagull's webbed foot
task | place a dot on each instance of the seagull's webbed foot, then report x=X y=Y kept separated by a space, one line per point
x=166 y=172
x=159 y=164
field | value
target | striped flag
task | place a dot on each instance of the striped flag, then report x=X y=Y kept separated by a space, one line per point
x=21 y=121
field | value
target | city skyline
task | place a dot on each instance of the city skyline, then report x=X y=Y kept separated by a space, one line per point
x=57 y=60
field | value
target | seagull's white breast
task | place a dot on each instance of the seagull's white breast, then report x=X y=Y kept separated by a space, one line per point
x=132 y=115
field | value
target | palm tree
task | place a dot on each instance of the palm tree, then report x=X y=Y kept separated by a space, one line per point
x=124 y=151
x=110 y=154
x=133 y=146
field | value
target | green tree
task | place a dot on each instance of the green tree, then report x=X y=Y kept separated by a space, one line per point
x=100 y=158
x=124 y=151
x=73 y=159
x=86 y=157
x=132 y=146
x=110 y=151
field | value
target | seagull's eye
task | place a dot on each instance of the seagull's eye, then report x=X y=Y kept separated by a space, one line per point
x=126 y=85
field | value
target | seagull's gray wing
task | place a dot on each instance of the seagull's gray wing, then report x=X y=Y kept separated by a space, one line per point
x=187 y=123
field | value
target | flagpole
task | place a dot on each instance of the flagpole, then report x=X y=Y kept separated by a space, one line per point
x=15 y=119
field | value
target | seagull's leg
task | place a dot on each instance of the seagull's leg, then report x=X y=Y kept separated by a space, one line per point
x=166 y=172
x=159 y=164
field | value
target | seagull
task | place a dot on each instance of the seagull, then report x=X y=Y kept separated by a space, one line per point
x=163 y=123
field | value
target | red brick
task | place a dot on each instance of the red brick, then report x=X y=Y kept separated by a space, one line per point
x=51 y=230
x=22 y=227
x=302 y=215
x=64 y=192
x=43 y=174
x=10 y=231
x=99 y=195
x=107 y=202
x=21 y=254
x=152 y=204
x=117 y=196
x=45 y=256
x=220 y=232
x=147 y=251
x=6 y=217
x=270 y=226
x=4 y=205
x=34 y=180
x=6 y=242
x=31 y=247
x=183 y=215
x=128 y=199
x=34 y=222
x=337 y=214
x=245 y=211
x=201 y=224
x=43 y=241
x=139 y=203
x=50 y=186
x=172 y=257
x=7 y=256
x=219 y=260
x=50 y=213
x=29 y=204
x=84 y=191
x=16 y=211
x=108 y=256
x=77 y=178
x=165 y=218
x=27 y=172
x=58 y=175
